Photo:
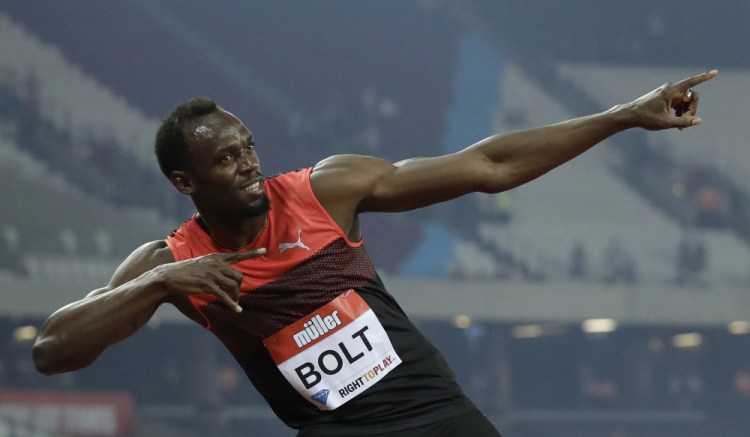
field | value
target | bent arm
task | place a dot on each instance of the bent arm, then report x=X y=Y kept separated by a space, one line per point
x=76 y=334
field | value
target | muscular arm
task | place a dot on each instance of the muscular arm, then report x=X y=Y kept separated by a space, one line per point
x=347 y=185
x=76 y=334
x=495 y=164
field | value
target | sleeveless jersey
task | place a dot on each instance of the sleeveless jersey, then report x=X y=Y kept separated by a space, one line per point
x=297 y=286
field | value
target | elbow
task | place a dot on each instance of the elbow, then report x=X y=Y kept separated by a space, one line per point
x=502 y=177
x=50 y=359
x=495 y=178
x=43 y=357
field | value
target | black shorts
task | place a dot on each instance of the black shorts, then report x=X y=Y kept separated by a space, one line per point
x=474 y=424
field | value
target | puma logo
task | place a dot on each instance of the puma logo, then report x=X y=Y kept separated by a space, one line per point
x=298 y=243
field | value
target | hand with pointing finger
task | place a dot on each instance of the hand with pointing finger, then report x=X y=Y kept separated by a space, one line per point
x=209 y=274
x=672 y=105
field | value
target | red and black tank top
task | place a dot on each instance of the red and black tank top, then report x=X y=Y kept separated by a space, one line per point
x=310 y=265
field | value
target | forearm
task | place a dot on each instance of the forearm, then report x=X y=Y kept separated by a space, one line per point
x=519 y=157
x=75 y=335
x=497 y=163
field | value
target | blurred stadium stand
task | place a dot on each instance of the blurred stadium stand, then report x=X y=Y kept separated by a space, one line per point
x=82 y=86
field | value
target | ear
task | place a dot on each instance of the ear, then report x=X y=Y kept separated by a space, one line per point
x=182 y=182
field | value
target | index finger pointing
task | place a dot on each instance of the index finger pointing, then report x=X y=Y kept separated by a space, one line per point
x=235 y=257
x=690 y=82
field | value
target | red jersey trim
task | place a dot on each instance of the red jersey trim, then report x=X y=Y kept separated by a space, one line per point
x=346 y=308
x=290 y=194
x=308 y=186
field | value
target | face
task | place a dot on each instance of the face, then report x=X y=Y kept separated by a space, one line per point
x=224 y=173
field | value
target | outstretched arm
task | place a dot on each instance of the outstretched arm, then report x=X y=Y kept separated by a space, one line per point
x=352 y=184
x=76 y=334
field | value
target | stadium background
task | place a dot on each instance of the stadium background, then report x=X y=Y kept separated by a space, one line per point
x=609 y=298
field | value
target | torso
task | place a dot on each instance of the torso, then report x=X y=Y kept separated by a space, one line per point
x=310 y=262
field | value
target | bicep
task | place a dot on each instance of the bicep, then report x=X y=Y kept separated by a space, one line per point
x=367 y=184
x=420 y=182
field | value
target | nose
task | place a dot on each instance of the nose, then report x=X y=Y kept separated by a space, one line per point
x=248 y=163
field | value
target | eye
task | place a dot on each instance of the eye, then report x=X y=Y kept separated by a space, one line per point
x=227 y=157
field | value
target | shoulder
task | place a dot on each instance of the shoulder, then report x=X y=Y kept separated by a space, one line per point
x=354 y=175
x=341 y=182
x=351 y=163
x=157 y=252
x=141 y=260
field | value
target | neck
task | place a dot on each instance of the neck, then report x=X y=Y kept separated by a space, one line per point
x=229 y=233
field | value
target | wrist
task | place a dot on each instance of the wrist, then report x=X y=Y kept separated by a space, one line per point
x=157 y=282
x=622 y=116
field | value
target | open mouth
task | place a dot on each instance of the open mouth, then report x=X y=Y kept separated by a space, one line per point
x=255 y=186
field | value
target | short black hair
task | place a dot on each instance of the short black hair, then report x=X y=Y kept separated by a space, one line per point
x=170 y=145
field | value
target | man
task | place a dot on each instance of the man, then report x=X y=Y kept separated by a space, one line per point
x=276 y=269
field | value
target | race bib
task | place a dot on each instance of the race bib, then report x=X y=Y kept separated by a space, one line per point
x=335 y=353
